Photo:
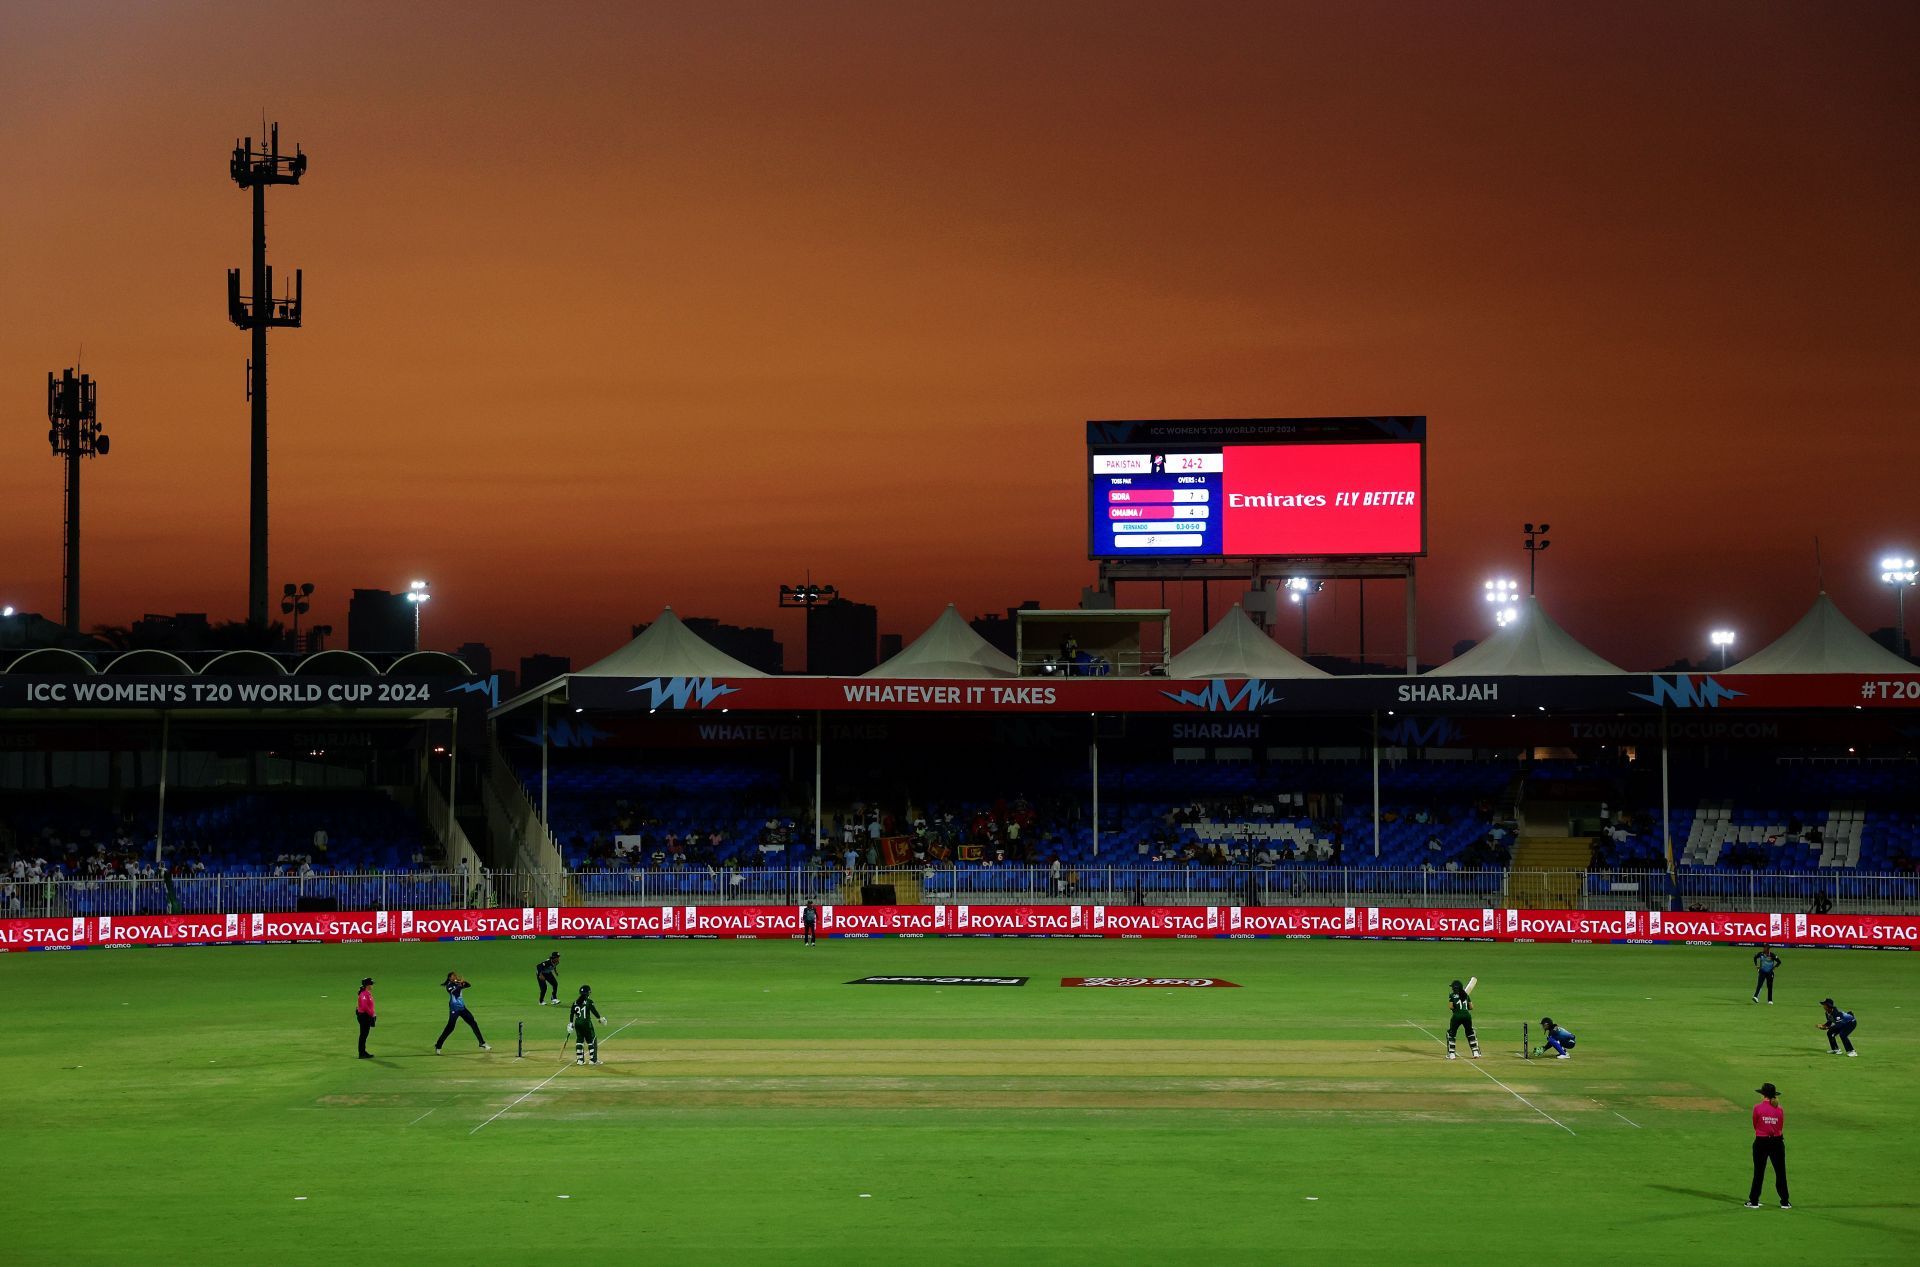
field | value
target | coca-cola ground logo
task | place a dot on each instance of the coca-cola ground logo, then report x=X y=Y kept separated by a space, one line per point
x=939 y=981
x=1151 y=983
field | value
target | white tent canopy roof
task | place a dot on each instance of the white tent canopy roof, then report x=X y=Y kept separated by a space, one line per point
x=1824 y=641
x=668 y=649
x=948 y=649
x=1236 y=647
x=1532 y=646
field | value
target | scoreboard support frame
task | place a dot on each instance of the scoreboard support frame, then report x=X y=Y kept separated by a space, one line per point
x=1261 y=573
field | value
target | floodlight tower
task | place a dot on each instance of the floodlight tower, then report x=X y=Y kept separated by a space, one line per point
x=417 y=596
x=1723 y=639
x=1536 y=542
x=297 y=601
x=808 y=595
x=74 y=432
x=1900 y=573
x=1299 y=590
x=257 y=313
x=1502 y=595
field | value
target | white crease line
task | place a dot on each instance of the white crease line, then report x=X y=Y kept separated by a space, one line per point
x=1624 y=1118
x=549 y=1078
x=423 y=1117
x=1503 y=1086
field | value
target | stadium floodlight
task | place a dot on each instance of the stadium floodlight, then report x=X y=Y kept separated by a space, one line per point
x=417 y=594
x=808 y=594
x=1898 y=571
x=7 y=610
x=1536 y=542
x=1299 y=590
x=1503 y=596
x=296 y=601
x=1722 y=638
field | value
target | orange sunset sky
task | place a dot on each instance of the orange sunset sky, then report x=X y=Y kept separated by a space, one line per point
x=617 y=305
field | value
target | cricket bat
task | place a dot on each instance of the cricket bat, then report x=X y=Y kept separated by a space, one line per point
x=1472 y=982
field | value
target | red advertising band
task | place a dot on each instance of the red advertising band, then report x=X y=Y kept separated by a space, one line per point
x=748 y=922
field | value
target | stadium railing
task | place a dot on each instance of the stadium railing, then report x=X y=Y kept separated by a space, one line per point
x=1711 y=890
x=1725 y=890
x=212 y=894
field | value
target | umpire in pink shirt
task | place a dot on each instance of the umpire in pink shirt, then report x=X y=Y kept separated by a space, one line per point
x=1769 y=1144
x=363 y=1013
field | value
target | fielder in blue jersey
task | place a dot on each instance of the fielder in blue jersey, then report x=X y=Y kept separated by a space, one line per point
x=1839 y=1026
x=1558 y=1040
x=1764 y=964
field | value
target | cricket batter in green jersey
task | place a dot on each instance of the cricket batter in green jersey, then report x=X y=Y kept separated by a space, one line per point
x=580 y=1021
x=1462 y=1006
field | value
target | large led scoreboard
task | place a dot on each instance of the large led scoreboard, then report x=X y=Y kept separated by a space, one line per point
x=1257 y=488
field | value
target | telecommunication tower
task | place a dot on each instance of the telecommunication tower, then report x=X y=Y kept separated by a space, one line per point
x=259 y=312
x=74 y=432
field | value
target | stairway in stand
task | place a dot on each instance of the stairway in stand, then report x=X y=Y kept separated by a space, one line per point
x=1547 y=871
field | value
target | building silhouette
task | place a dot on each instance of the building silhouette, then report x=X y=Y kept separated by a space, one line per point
x=28 y=630
x=379 y=622
x=182 y=631
x=536 y=670
x=842 y=638
x=477 y=656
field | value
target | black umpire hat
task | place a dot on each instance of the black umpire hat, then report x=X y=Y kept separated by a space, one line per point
x=1768 y=1089
x=366 y=980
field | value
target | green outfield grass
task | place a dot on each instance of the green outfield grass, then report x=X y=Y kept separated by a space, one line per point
x=171 y=1106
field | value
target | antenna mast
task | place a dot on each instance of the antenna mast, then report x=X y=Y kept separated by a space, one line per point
x=74 y=432
x=259 y=312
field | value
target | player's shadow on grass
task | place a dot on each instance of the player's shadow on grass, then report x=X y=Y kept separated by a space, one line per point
x=1718 y=1197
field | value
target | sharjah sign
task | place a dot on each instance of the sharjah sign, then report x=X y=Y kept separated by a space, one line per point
x=1674 y=693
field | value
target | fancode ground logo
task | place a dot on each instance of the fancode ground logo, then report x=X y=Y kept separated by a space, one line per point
x=939 y=981
x=1149 y=982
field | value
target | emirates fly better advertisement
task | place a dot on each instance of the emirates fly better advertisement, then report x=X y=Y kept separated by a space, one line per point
x=1257 y=488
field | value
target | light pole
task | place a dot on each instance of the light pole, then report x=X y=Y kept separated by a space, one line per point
x=294 y=602
x=417 y=595
x=1299 y=590
x=807 y=595
x=1899 y=572
x=1536 y=542
x=1722 y=638
x=74 y=432
x=1501 y=594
